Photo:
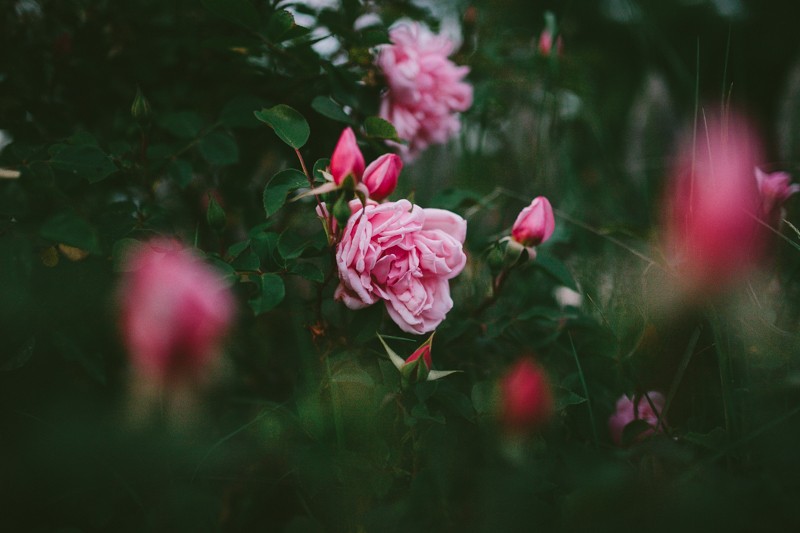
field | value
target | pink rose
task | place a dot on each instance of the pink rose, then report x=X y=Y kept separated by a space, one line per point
x=347 y=158
x=174 y=311
x=381 y=175
x=713 y=236
x=526 y=400
x=628 y=411
x=426 y=89
x=404 y=255
x=774 y=189
x=546 y=43
x=535 y=224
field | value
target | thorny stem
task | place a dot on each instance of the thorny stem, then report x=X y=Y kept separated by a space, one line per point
x=322 y=210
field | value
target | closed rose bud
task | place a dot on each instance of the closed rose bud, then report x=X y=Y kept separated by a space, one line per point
x=424 y=352
x=347 y=158
x=535 y=223
x=546 y=43
x=775 y=188
x=627 y=411
x=525 y=398
x=381 y=175
x=174 y=312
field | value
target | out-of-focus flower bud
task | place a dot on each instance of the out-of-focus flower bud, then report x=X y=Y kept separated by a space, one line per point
x=628 y=411
x=713 y=236
x=546 y=43
x=140 y=108
x=381 y=175
x=526 y=402
x=534 y=224
x=775 y=188
x=347 y=158
x=174 y=312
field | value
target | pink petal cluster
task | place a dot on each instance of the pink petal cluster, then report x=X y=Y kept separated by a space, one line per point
x=426 y=90
x=713 y=234
x=174 y=311
x=775 y=189
x=526 y=400
x=404 y=255
x=379 y=177
x=535 y=224
x=627 y=411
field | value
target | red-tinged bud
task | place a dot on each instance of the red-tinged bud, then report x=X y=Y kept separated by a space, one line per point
x=526 y=401
x=424 y=352
x=381 y=175
x=546 y=44
x=347 y=159
x=535 y=224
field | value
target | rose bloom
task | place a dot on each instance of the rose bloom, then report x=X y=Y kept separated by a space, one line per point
x=174 y=311
x=713 y=236
x=404 y=255
x=426 y=89
x=775 y=188
x=628 y=411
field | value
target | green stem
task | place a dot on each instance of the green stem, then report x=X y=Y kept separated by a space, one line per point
x=585 y=389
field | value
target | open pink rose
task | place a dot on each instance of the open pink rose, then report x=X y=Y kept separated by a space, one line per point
x=627 y=411
x=404 y=255
x=775 y=188
x=426 y=89
x=174 y=311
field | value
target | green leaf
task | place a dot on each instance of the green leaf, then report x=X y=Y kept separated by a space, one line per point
x=183 y=124
x=374 y=36
x=279 y=25
x=556 y=269
x=328 y=108
x=215 y=215
x=292 y=243
x=248 y=261
x=319 y=166
x=219 y=149
x=270 y=293
x=236 y=249
x=279 y=186
x=226 y=271
x=86 y=161
x=69 y=228
x=308 y=271
x=379 y=128
x=565 y=398
x=288 y=124
x=241 y=12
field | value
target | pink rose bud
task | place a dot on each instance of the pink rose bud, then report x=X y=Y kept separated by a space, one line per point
x=628 y=411
x=713 y=236
x=424 y=352
x=381 y=175
x=418 y=365
x=546 y=43
x=174 y=311
x=526 y=401
x=535 y=223
x=775 y=189
x=347 y=158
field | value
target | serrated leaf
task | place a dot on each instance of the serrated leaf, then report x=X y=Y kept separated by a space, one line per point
x=183 y=124
x=308 y=271
x=85 y=161
x=69 y=228
x=279 y=186
x=241 y=12
x=288 y=124
x=378 y=128
x=219 y=149
x=279 y=25
x=328 y=108
x=271 y=292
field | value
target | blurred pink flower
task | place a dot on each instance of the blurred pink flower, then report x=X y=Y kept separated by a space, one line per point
x=711 y=217
x=628 y=411
x=404 y=255
x=526 y=400
x=174 y=311
x=426 y=89
x=535 y=224
x=546 y=43
x=381 y=175
x=346 y=158
x=775 y=189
